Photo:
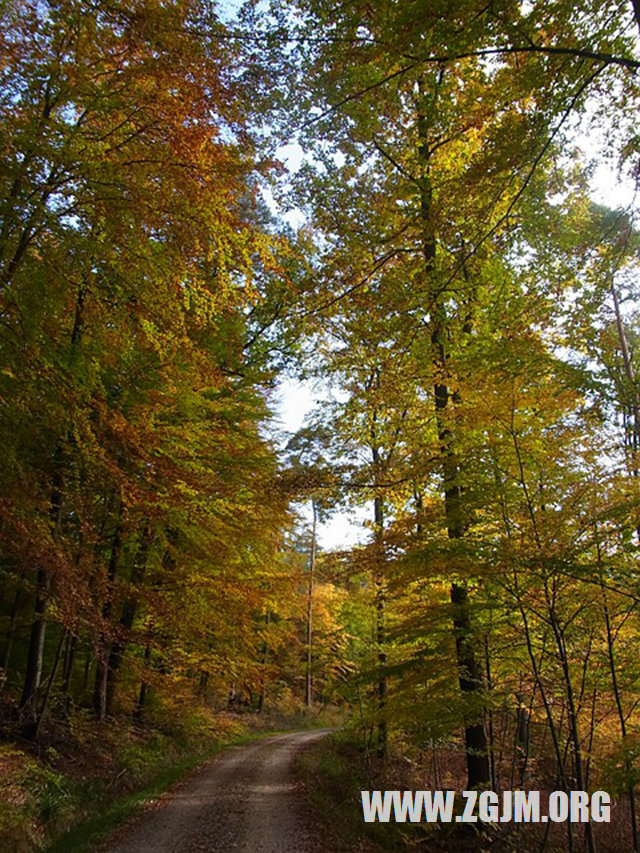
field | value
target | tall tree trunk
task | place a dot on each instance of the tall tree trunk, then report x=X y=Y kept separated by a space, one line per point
x=100 y=695
x=68 y=663
x=144 y=686
x=33 y=672
x=630 y=376
x=265 y=661
x=490 y=725
x=127 y=615
x=618 y=698
x=380 y=597
x=574 y=733
x=629 y=372
x=471 y=684
x=522 y=737
x=35 y=652
x=636 y=11
x=47 y=692
x=470 y=674
x=11 y=633
x=312 y=566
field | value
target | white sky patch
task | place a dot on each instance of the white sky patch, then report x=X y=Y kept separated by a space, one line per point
x=228 y=10
x=291 y=155
x=295 y=400
x=606 y=186
x=294 y=217
x=345 y=528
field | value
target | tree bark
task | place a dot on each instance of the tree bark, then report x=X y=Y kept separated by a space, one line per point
x=265 y=661
x=380 y=590
x=574 y=733
x=470 y=673
x=11 y=633
x=635 y=835
x=471 y=682
x=68 y=664
x=144 y=687
x=127 y=615
x=47 y=692
x=629 y=374
x=100 y=692
x=636 y=11
x=312 y=566
x=35 y=652
x=33 y=672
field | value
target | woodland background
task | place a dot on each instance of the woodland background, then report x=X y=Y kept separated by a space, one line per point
x=469 y=311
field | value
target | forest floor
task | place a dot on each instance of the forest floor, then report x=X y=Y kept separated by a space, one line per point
x=333 y=771
x=70 y=789
x=246 y=800
x=228 y=782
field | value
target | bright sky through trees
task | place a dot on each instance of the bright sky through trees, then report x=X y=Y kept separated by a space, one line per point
x=296 y=399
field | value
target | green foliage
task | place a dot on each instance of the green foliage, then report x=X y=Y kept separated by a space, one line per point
x=456 y=286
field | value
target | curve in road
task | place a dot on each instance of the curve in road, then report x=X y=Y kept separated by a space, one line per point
x=243 y=801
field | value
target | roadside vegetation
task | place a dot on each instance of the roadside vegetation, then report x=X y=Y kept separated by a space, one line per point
x=83 y=779
x=335 y=770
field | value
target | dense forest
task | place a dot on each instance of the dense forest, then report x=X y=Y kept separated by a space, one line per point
x=402 y=206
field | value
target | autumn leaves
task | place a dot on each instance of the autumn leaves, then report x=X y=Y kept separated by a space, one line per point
x=135 y=472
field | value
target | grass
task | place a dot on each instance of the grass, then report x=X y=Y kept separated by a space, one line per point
x=86 y=835
x=82 y=779
x=334 y=771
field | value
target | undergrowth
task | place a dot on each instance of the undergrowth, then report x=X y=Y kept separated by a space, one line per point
x=82 y=778
x=335 y=770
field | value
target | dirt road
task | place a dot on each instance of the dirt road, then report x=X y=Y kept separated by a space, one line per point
x=243 y=801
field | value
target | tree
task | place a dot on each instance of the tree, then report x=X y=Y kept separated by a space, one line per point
x=417 y=199
x=130 y=258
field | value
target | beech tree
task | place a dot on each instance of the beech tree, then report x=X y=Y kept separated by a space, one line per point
x=130 y=261
x=426 y=136
x=454 y=284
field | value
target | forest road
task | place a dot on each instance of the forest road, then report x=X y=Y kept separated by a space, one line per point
x=244 y=800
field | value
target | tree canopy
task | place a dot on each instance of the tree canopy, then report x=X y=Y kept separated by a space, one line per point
x=457 y=285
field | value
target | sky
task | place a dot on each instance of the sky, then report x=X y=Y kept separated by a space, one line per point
x=293 y=402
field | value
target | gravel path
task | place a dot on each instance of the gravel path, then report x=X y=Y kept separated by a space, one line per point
x=243 y=801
